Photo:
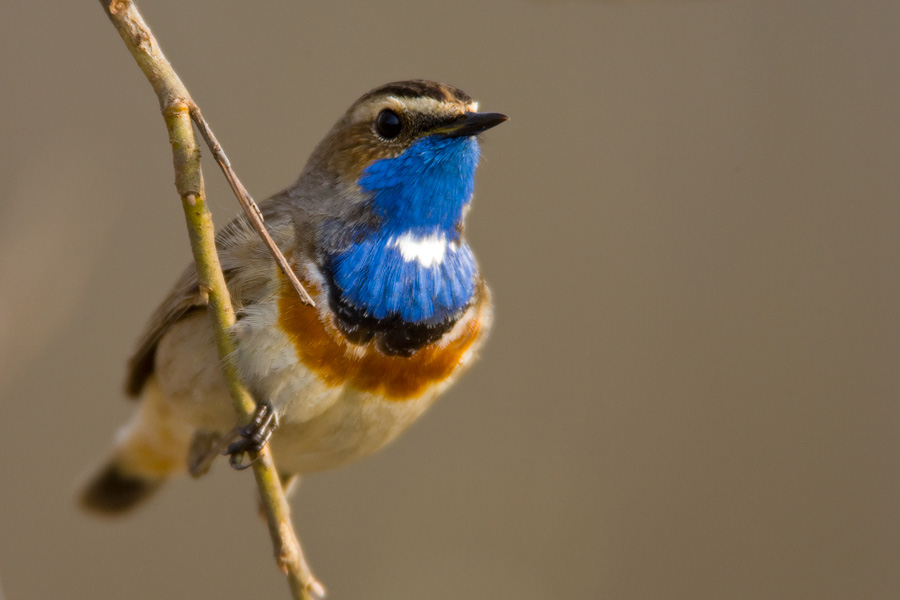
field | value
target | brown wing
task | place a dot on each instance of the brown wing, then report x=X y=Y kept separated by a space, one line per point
x=247 y=266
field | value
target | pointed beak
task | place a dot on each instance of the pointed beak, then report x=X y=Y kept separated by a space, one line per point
x=470 y=124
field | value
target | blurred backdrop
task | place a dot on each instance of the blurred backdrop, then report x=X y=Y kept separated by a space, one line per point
x=690 y=225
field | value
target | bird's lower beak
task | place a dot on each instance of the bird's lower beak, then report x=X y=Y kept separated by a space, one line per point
x=470 y=124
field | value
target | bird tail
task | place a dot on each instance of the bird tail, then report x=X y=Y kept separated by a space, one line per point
x=150 y=449
x=112 y=490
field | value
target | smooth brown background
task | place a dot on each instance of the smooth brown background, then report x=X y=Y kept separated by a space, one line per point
x=690 y=224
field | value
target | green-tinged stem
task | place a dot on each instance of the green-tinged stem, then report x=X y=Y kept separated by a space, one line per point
x=211 y=281
x=176 y=106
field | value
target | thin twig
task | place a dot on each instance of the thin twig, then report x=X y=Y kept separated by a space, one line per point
x=177 y=106
x=247 y=203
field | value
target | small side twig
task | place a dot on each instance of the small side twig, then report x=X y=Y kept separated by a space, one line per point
x=177 y=108
x=247 y=203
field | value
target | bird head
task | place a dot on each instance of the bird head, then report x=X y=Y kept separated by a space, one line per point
x=386 y=192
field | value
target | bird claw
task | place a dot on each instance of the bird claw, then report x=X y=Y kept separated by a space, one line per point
x=252 y=437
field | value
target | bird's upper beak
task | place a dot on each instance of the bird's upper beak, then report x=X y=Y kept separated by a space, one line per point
x=470 y=124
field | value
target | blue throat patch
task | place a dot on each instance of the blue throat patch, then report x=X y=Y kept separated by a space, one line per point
x=413 y=264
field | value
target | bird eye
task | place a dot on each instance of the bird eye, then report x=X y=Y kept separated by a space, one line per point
x=388 y=124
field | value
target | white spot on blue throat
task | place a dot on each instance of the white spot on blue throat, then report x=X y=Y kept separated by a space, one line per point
x=413 y=265
x=427 y=250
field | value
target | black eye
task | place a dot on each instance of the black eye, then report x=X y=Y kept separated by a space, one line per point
x=388 y=124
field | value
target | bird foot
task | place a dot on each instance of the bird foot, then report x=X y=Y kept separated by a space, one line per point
x=252 y=437
x=205 y=447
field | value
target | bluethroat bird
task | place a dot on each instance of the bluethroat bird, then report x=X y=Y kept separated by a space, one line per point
x=374 y=229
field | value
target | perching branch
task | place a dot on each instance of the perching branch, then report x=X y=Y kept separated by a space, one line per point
x=178 y=109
